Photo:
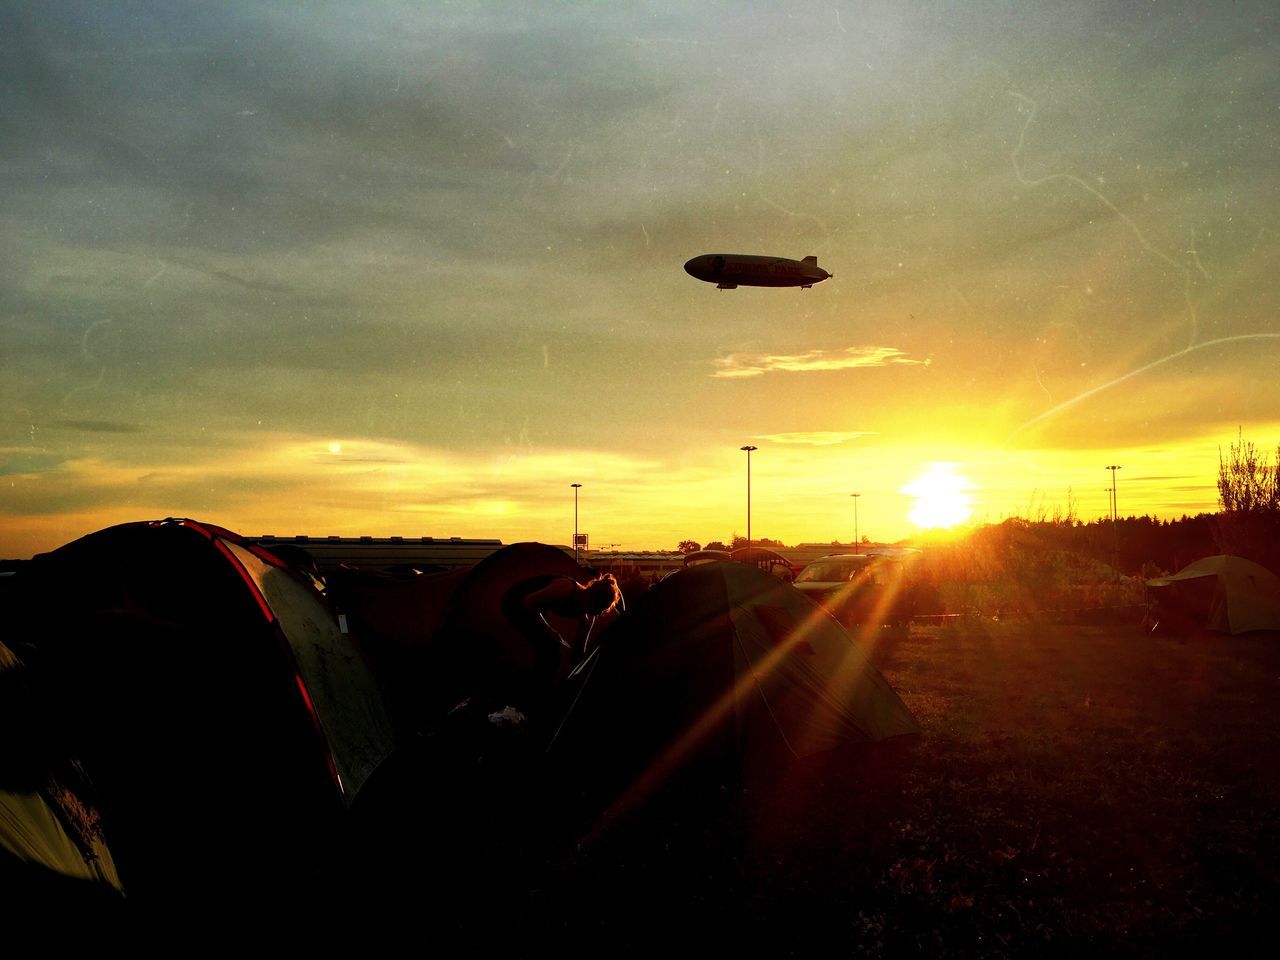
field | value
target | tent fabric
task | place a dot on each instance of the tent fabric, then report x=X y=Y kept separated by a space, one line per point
x=401 y=613
x=31 y=831
x=438 y=638
x=483 y=650
x=477 y=609
x=1245 y=596
x=347 y=701
x=200 y=685
x=719 y=661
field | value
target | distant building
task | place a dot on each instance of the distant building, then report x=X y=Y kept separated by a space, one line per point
x=627 y=566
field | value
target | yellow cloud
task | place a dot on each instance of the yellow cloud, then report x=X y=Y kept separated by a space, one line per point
x=753 y=365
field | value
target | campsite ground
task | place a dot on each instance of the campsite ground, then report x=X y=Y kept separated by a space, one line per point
x=1076 y=790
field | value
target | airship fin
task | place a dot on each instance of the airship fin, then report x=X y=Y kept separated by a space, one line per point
x=812 y=261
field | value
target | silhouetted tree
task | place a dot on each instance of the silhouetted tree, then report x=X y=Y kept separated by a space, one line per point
x=1249 y=492
x=715 y=545
x=1246 y=482
x=688 y=546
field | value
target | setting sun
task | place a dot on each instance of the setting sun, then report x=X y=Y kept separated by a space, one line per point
x=941 y=496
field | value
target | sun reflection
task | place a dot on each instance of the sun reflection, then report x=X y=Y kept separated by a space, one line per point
x=941 y=495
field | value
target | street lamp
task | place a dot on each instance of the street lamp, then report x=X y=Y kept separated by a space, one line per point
x=1115 y=512
x=576 y=487
x=748 y=450
x=856 y=541
x=1115 y=515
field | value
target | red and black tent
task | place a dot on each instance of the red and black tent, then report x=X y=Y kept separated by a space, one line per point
x=224 y=717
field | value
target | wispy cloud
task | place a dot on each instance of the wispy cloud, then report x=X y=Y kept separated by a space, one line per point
x=755 y=364
x=816 y=438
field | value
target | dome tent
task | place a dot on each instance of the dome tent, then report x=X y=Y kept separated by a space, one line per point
x=224 y=718
x=1225 y=593
x=723 y=716
x=724 y=665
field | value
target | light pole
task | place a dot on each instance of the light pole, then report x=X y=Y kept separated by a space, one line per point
x=1115 y=513
x=856 y=541
x=748 y=449
x=576 y=487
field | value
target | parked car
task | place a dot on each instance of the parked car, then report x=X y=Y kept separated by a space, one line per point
x=858 y=589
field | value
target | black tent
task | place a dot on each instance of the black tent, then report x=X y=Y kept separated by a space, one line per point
x=723 y=707
x=211 y=697
x=721 y=666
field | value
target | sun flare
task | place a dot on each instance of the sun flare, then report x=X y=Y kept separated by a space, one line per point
x=941 y=495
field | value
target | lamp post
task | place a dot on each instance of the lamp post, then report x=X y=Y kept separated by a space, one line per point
x=576 y=487
x=1115 y=513
x=748 y=450
x=856 y=541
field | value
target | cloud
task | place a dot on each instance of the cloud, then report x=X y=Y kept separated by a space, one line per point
x=754 y=364
x=816 y=438
x=98 y=426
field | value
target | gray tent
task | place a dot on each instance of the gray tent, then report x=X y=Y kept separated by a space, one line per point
x=724 y=664
x=1225 y=593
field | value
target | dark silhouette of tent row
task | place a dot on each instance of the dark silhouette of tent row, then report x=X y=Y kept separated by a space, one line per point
x=231 y=728
x=1223 y=593
x=438 y=638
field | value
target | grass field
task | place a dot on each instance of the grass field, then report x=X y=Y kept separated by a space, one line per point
x=1076 y=789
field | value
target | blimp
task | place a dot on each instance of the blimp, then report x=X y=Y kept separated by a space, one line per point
x=730 y=270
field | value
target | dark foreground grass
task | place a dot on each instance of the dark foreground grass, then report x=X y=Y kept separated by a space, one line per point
x=1078 y=789
x=1075 y=791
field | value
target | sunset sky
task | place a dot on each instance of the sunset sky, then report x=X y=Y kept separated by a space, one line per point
x=413 y=269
